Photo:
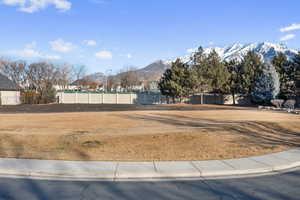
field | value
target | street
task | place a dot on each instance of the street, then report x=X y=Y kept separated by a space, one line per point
x=280 y=186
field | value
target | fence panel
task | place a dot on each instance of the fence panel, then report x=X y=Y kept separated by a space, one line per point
x=95 y=99
x=10 y=98
x=83 y=98
x=142 y=98
x=124 y=99
x=110 y=98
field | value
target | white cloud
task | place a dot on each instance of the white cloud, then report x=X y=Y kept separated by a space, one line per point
x=30 y=52
x=90 y=42
x=129 y=56
x=104 y=55
x=290 y=28
x=287 y=37
x=31 y=6
x=62 y=46
x=211 y=43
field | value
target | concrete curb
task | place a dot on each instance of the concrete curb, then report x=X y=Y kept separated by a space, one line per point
x=58 y=170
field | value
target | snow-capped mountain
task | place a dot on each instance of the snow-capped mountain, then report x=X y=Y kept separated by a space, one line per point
x=266 y=50
x=236 y=51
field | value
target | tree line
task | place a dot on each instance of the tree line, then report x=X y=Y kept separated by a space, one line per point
x=38 y=78
x=251 y=76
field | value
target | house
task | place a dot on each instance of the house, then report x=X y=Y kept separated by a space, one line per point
x=9 y=92
x=65 y=87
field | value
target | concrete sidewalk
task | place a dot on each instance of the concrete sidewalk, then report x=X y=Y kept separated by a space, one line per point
x=146 y=170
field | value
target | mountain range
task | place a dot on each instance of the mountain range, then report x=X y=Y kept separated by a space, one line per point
x=265 y=50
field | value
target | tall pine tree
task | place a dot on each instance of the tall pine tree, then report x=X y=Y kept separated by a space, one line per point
x=295 y=74
x=216 y=74
x=235 y=79
x=198 y=69
x=251 y=69
x=285 y=72
x=177 y=82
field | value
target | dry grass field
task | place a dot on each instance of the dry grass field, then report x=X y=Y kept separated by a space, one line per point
x=212 y=132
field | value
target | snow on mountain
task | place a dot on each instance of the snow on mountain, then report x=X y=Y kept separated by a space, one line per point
x=236 y=51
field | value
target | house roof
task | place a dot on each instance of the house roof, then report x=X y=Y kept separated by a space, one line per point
x=6 y=84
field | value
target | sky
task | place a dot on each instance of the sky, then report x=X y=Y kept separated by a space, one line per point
x=108 y=35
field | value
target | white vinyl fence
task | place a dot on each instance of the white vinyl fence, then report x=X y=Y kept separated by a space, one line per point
x=109 y=98
x=142 y=98
x=10 y=98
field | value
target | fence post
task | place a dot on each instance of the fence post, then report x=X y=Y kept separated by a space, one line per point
x=117 y=98
x=89 y=98
x=76 y=98
x=131 y=98
x=62 y=98
x=103 y=98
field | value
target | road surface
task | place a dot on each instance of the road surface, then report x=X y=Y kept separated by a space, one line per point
x=280 y=186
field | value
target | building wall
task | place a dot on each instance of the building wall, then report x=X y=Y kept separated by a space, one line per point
x=219 y=99
x=10 y=98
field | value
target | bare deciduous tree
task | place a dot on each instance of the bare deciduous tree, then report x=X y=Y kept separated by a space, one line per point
x=79 y=72
x=112 y=83
x=129 y=78
x=14 y=70
x=41 y=77
x=65 y=75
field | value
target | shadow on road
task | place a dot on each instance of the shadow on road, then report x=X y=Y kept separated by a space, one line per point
x=282 y=186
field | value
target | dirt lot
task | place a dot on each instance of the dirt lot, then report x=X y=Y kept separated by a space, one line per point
x=175 y=132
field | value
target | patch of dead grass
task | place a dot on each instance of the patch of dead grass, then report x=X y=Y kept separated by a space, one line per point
x=148 y=135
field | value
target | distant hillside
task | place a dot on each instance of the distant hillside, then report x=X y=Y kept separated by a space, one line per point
x=96 y=77
x=151 y=72
x=154 y=70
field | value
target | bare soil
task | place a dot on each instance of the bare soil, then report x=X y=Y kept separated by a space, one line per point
x=144 y=133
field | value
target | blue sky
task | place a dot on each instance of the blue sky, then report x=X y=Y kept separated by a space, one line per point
x=111 y=34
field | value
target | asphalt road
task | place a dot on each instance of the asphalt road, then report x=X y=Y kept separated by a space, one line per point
x=281 y=186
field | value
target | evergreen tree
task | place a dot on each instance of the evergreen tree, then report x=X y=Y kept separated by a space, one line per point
x=267 y=85
x=251 y=69
x=177 y=82
x=164 y=84
x=234 y=81
x=211 y=73
x=216 y=74
x=198 y=57
x=295 y=76
x=285 y=72
x=198 y=69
